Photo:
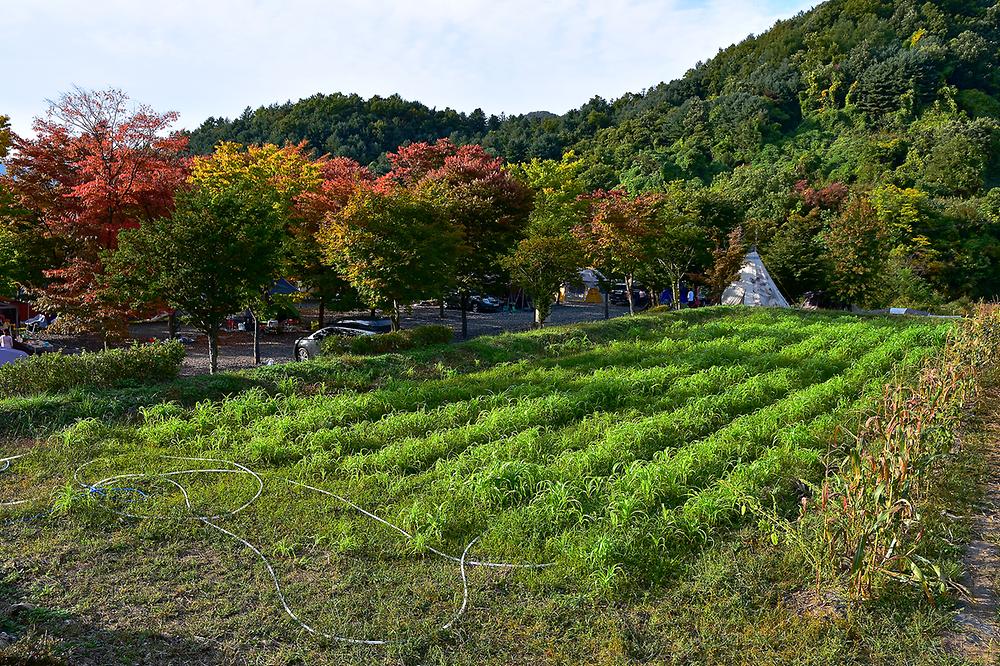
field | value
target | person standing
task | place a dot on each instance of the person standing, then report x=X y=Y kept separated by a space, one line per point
x=6 y=341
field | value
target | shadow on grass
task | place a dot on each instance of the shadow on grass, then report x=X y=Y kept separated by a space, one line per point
x=45 y=637
x=41 y=415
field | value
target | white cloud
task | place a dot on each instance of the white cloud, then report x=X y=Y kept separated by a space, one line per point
x=215 y=57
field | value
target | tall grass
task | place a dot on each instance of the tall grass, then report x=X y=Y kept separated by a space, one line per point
x=873 y=501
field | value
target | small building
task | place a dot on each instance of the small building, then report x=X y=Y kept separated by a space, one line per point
x=14 y=311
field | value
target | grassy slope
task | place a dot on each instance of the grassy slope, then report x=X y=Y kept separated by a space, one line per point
x=551 y=445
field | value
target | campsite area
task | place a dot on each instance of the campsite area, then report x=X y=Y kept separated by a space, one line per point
x=562 y=362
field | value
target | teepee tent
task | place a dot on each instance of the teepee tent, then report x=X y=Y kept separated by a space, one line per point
x=754 y=286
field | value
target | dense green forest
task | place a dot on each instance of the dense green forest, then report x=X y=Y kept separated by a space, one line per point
x=853 y=90
x=345 y=126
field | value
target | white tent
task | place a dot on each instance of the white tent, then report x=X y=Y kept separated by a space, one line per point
x=588 y=290
x=591 y=278
x=754 y=286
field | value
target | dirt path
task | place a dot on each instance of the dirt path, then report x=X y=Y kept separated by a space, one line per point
x=977 y=634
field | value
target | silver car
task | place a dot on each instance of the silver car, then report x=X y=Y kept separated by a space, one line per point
x=311 y=345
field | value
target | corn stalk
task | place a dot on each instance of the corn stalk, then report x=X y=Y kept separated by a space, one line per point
x=871 y=502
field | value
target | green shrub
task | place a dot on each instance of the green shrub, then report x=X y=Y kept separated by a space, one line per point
x=426 y=336
x=386 y=343
x=50 y=373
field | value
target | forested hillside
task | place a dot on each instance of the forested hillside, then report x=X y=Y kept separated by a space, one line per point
x=842 y=91
x=896 y=101
x=344 y=126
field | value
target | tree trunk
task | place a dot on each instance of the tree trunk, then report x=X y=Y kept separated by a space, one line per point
x=628 y=294
x=395 y=315
x=677 y=294
x=539 y=318
x=607 y=307
x=213 y=350
x=322 y=311
x=172 y=325
x=256 y=337
x=465 y=317
x=441 y=308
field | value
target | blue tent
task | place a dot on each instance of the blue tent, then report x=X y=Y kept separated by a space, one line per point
x=283 y=287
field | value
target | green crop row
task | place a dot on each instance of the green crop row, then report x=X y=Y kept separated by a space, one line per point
x=615 y=448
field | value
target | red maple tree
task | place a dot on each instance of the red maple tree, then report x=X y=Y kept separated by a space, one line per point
x=614 y=233
x=341 y=177
x=97 y=165
x=486 y=203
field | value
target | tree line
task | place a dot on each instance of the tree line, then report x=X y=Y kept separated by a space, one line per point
x=105 y=213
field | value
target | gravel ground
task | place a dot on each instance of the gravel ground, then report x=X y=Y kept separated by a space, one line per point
x=236 y=349
x=491 y=323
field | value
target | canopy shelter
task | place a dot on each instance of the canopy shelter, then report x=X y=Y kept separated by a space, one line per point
x=283 y=287
x=754 y=285
x=587 y=289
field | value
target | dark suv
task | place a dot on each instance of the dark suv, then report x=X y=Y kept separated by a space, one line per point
x=477 y=302
x=311 y=345
x=619 y=296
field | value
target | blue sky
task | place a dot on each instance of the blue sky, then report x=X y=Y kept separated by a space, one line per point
x=216 y=57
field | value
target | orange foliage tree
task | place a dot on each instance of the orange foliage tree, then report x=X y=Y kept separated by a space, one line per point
x=97 y=164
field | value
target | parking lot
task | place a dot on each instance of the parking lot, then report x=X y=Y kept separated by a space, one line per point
x=236 y=348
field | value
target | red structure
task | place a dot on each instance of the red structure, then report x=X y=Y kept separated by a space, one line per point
x=14 y=311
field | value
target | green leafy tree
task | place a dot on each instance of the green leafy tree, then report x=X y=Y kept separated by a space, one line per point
x=796 y=256
x=857 y=251
x=487 y=205
x=340 y=178
x=550 y=255
x=676 y=245
x=277 y=177
x=541 y=265
x=9 y=254
x=25 y=254
x=393 y=245
x=614 y=234
x=216 y=250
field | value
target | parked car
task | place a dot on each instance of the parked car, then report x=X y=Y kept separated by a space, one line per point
x=477 y=302
x=618 y=295
x=311 y=345
x=8 y=355
x=35 y=347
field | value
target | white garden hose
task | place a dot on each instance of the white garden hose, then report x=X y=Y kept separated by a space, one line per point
x=105 y=485
x=5 y=462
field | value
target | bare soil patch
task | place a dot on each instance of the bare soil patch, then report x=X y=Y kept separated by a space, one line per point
x=977 y=635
